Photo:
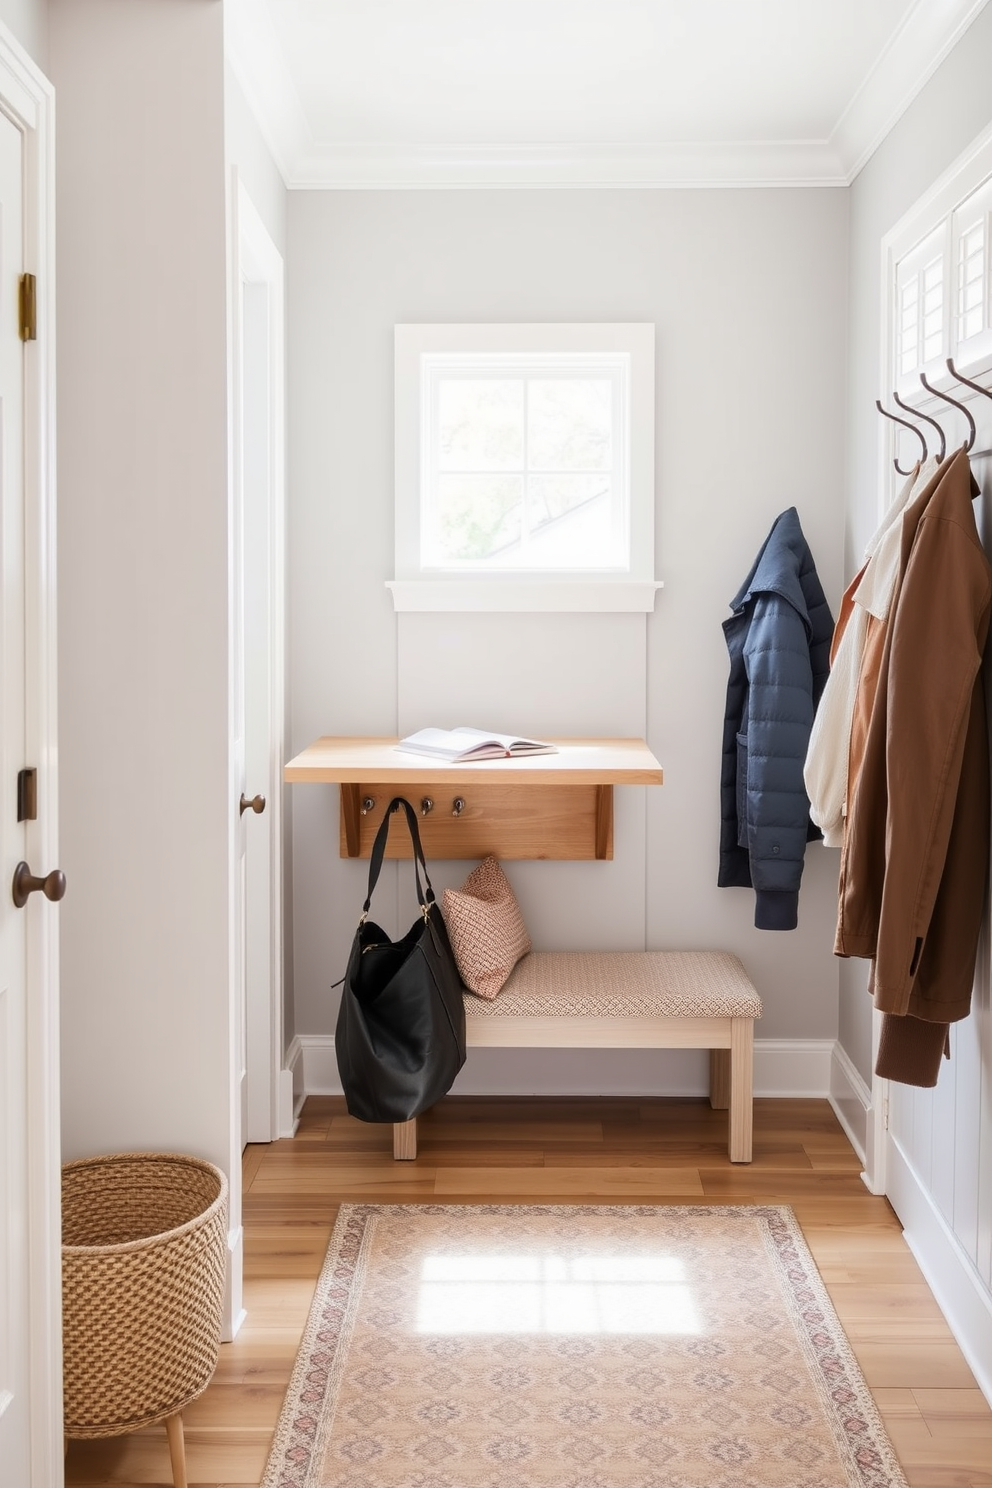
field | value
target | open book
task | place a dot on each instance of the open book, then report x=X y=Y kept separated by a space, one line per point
x=470 y=744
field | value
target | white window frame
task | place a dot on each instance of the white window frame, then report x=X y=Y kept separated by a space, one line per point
x=419 y=351
x=947 y=210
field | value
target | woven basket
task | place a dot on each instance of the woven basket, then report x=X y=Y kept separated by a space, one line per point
x=144 y=1251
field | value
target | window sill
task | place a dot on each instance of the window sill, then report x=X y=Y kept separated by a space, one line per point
x=534 y=595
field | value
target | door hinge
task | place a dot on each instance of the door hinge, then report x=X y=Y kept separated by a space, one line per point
x=28 y=307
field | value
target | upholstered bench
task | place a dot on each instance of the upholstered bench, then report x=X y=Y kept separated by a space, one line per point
x=626 y=1000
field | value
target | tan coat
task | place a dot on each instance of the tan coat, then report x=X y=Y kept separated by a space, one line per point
x=913 y=868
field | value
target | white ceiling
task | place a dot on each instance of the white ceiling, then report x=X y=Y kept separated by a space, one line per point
x=360 y=93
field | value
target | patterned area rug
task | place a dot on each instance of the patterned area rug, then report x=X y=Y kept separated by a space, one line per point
x=575 y=1347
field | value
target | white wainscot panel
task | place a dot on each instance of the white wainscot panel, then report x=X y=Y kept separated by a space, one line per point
x=565 y=675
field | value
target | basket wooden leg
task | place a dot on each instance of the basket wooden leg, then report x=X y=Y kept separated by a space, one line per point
x=177 y=1449
x=404 y=1139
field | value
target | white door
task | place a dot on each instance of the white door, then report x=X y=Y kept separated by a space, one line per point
x=14 y=1237
x=259 y=983
x=257 y=689
x=28 y=1171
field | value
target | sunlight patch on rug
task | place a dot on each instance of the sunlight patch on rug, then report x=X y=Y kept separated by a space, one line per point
x=545 y=1292
x=575 y=1347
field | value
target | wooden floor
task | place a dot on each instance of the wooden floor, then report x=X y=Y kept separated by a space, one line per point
x=474 y=1150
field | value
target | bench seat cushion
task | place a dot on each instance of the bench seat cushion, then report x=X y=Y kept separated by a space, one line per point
x=623 y=984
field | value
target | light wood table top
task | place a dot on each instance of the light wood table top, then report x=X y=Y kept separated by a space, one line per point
x=372 y=761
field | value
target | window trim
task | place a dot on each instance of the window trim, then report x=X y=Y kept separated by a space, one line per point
x=417 y=588
x=934 y=213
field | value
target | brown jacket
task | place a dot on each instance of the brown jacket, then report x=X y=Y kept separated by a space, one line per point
x=915 y=854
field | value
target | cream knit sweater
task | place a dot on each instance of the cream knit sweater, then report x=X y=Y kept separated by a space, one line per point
x=825 y=771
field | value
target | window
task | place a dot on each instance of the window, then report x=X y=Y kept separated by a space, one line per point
x=524 y=463
x=938 y=265
x=970 y=236
x=920 y=305
x=937 y=268
x=524 y=467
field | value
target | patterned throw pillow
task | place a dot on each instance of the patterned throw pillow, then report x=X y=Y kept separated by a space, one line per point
x=485 y=927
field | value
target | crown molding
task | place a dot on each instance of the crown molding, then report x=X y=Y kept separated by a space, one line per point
x=929 y=32
x=255 y=56
x=913 y=54
x=544 y=167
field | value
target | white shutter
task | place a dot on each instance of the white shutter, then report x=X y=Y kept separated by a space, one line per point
x=921 y=309
x=970 y=249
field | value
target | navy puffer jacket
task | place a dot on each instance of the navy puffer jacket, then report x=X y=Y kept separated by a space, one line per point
x=779 y=642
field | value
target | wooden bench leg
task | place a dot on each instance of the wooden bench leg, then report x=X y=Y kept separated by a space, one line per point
x=741 y=1088
x=720 y=1079
x=404 y=1139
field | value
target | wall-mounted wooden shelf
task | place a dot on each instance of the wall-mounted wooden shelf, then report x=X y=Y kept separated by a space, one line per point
x=557 y=806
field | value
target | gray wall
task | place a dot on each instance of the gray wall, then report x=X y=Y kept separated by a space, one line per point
x=145 y=798
x=939 y=1142
x=954 y=107
x=747 y=290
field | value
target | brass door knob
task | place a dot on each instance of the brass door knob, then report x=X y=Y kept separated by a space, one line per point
x=25 y=884
x=256 y=804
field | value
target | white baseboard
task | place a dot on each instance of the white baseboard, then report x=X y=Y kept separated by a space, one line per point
x=296 y=1069
x=782 y=1067
x=792 y=1067
x=288 y=1113
x=851 y=1100
x=234 y=1314
x=960 y=1292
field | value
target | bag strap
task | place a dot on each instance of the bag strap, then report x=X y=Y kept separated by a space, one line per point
x=424 y=898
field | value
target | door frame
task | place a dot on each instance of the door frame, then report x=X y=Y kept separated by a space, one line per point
x=257 y=261
x=27 y=98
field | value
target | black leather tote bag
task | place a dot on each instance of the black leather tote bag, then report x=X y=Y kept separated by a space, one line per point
x=400 y=1037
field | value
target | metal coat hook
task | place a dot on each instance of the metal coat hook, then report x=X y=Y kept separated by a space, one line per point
x=906 y=425
x=918 y=413
x=954 y=404
x=977 y=386
x=959 y=377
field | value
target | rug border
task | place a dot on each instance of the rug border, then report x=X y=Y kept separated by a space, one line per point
x=861 y=1438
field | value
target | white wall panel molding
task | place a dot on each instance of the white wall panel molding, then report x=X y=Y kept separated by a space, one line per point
x=911 y=58
x=851 y=1100
x=959 y=1289
x=546 y=167
x=524 y=596
x=782 y=1068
